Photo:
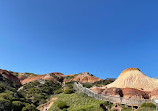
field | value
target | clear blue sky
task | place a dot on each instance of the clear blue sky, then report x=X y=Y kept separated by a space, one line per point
x=102 y=37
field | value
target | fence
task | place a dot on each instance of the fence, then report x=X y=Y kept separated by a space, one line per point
x=121 y=100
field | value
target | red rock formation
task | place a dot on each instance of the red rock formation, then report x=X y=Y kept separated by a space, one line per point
x=55 y=76
x=97 y=90
x=9 y=76
x=117 y=92
x=126 y=93
x=22 y=77
x=83 y=78
x=134 y=93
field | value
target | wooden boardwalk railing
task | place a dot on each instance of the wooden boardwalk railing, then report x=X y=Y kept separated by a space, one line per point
x=121 y=100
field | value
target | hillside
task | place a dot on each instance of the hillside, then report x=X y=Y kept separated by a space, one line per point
x=134 y=78
x=78 y=102
x=10 y=98
x=84 y=77
x=55 y=76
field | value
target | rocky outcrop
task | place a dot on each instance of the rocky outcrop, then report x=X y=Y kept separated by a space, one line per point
x=117 y=92
x=84 y=77
x=134 y=78
x=126 y=93
x=134 y=93
x=6 y=74
x=97 y=90
x=154 y=94
x=56 y=77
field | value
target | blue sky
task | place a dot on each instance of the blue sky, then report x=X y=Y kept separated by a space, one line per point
x=71 y=36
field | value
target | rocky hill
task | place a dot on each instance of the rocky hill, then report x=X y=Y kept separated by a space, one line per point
x=23 y=78
x=8 y=75
x=55 y=76
x=84 y=77
x=134 y=78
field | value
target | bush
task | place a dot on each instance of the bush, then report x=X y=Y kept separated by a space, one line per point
x=86 y=108
x=146 y=109
x=62 y=105
x=69 y=91
x=5 y=104
x=69 y=84
x=58 y=91
x=87 y=85
x=18 y=105
x=29 y=108
x=151 y=105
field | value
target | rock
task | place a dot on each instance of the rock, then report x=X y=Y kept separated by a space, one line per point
x=154 y=94
x=117 y=92
x=55 y=76
x=97 y=90
x=6 y=74
x=84 y=77
x=134 y=78
x=134 y=93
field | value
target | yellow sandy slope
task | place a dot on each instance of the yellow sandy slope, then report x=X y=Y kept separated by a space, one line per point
x=134 y=78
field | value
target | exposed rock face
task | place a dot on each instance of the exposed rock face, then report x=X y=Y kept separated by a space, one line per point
x=134 y=78
x=50 y=76
x=97 y=90
x=83 y=78
x=134 y=93
x=9 y=76
x=22 y=77
x=126 y=93
x=154 y=94
x=117 y=92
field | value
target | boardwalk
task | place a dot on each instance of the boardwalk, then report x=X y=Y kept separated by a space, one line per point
x=127 y=101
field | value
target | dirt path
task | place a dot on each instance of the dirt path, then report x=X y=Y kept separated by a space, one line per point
x=46 y=106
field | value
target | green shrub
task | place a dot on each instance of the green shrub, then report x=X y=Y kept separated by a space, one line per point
x=77 y=101
x=17 y=105
x=69 y=91
x=86 y=108
x=5 y=104
x=150 y=105
x=2 y=89
x=69 y=84
x=29 y=108
x=37 y=93
x=58 y=91
x=87 y=85
x=146 y=109
x=62 y=105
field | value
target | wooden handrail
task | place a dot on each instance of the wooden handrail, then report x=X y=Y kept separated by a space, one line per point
x=121 y=100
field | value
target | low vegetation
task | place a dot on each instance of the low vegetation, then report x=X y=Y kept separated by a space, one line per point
x=11 y=99
x=38 y=92
x=147 y=107
x=78 y=102
x=99 y=83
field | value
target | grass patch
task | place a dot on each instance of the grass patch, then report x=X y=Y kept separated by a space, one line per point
x=146 y=109
x=77 y=102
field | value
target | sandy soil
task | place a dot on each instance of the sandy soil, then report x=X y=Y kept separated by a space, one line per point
x=46 y=106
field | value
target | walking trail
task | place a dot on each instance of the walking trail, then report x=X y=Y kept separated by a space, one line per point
x=46 y=106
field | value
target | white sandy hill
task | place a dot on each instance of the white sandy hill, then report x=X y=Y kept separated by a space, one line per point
x=134 y=78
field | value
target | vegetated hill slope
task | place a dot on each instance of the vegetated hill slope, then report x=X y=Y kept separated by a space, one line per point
x=134 y=78
x=23 y=78
x=8 y=75
x=10 y=98
x=59 y=77
x=55 y=76
x=84 y=77
x=78 y=102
